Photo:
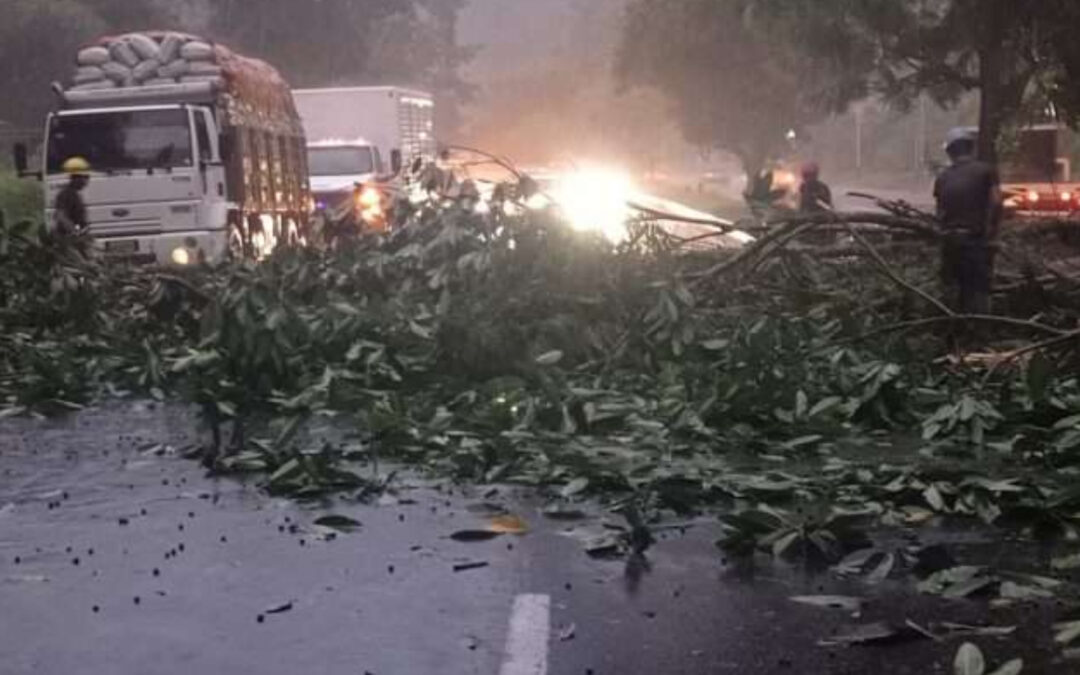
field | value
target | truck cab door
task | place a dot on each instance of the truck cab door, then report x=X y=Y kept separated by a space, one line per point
x=213 y=211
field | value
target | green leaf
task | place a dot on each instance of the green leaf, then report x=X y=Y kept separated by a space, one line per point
x=825 y=405
x=550 y=359
x=846 y=603
x=227 y=409
x=1013 y=591
x=803 y=441
x=1070 y=562
x=781 y=545
x=286 y=471
x=1066 y=632
x=339 y=523
x=1067 y=423
x=801 y=404
x=969 y=660
x=934 y=499
x=715 y=345
x=1014 y=667
x=883 y=570
x=575 y=487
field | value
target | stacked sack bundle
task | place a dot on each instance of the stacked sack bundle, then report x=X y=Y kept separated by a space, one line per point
x=145 y=60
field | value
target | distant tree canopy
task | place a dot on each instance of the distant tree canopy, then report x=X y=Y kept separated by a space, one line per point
x=741 y=71
x=329 y=42
x=734 y=84
x=1020 y=56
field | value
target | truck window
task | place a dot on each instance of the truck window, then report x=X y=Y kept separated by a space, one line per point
x=202 y=137
x=340 y=161
x=121 y=141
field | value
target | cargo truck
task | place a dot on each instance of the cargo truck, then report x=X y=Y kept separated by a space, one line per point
x=1037 y=172
x=196 y=154
x=359 y=141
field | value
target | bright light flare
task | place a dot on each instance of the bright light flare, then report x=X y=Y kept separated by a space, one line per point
x=596 y=200
x=369 y=198
x=181 y=256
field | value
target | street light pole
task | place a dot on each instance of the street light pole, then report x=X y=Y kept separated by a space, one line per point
x=858 y=138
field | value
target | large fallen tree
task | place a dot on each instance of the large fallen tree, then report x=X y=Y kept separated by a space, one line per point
x=507 y=347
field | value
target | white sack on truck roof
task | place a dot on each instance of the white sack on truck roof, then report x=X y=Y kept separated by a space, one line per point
x=94 y=56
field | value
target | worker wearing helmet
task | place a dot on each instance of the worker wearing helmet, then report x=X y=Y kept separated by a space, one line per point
x=71 y=216
x=814 y=195
x=968 y=196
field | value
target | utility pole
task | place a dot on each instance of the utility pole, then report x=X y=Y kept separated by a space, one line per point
x=858 y=137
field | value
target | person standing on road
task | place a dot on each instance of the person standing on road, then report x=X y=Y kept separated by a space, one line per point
x=814 y=195
x=968 y=195
x=71 y=217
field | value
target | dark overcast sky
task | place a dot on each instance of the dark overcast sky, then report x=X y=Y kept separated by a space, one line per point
x=512 y=33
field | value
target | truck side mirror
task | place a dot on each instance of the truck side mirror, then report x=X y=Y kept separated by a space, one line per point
x=22 y=164
x=395 y=161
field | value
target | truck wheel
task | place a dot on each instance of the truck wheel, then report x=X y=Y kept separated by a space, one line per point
x=237 y=248
x=293 y=237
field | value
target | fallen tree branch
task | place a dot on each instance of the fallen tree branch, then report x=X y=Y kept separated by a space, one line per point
x=955 y=318
x=782 y=229
x=896 y=278
x=1018 y=354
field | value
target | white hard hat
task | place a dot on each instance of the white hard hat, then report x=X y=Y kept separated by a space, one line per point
x=959 y=134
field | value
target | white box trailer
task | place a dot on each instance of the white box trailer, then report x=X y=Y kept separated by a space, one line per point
x=393 y=119
x=363 y=136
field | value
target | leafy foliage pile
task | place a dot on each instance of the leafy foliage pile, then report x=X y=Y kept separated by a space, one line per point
x=800 y=395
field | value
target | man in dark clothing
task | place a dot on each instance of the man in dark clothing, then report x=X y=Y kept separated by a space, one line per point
x=968 y=196
x=71 y=216
x=814 y=195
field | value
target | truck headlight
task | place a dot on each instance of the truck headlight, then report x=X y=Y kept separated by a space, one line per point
x=181 y=256
x=369 y=198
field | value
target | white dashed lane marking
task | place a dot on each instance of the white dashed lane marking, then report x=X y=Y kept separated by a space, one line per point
x=527 y=638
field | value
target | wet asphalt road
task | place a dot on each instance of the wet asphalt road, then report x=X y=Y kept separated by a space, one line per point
x=116 y=561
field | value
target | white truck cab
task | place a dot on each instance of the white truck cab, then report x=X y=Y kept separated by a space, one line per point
x=359 y=140
x=337 y=166
x=195 y=153
x=157 y=182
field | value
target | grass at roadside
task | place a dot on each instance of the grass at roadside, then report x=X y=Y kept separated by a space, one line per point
x=20 y=199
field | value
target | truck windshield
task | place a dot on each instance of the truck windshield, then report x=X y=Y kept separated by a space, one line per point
x=340 y=161
x=121 y=141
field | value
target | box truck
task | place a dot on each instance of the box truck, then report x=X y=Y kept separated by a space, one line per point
x=359 y=141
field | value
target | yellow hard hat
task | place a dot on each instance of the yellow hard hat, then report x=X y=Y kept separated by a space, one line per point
x=76 y=166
